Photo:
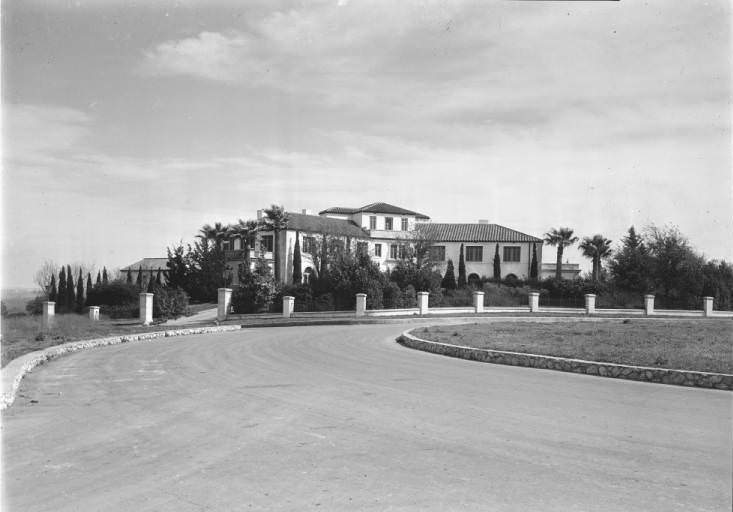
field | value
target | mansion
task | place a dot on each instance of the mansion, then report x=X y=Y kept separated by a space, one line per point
x=384 y=231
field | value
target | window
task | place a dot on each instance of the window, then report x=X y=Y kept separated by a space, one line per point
x=378 y=250
x=404 y=224
x=393 y=251
x=437 y=253
x=338 y=246
x=474 y=253
x=307 y=273
x=373 y=222
x=309 y=244
x=403 y=252
x=362 y=248
x=266 y=243
x=226 y=245
x=388 y=223
x=511 y=253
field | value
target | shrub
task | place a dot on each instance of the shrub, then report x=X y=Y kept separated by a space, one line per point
x=169 y=302
x=301 y=292
x=120 y=310
x=409 y=297
x=115 y=299
x=35 y=305
x=392 y=296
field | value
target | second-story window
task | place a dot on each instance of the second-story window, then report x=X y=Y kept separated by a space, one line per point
x=378 y=250
x=404 y=224
x=309 y=244
x=373 y=222
x=437 y=252
x=474 y=253
x=512 y=253
x=388 y=223
x=226 y=245
x=266 y=243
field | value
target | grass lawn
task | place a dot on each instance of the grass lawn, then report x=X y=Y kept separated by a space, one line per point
x=23 y=334
x=701 y=345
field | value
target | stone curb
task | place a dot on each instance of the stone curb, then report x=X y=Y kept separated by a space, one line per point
x=618 y=371
x=16 y=369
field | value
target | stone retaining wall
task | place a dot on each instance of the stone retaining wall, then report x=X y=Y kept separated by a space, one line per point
x=618 y=371
x=16 y=369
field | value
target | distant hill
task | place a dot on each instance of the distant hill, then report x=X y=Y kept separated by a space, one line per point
x=15 y=299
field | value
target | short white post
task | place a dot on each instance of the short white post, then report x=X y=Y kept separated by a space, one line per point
x=361 y=304
x=146 y=308
x=49 y=311
x=590 y=303
x=478 y=302
x=422 y=302
x=534 y=302
x=94 y=313
x=707 y=306
x=648 y=304
x=288 y=306
x=224 y=303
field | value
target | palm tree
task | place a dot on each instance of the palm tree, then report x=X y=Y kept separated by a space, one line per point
x=596 y=249
x=276 y=219
x=247 y=231
x=562 y=238
x=216 y=233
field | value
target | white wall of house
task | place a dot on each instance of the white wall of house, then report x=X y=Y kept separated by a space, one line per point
x=485 y=267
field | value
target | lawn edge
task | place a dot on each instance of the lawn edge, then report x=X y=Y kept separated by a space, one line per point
x=14 y=372
x=689 y=378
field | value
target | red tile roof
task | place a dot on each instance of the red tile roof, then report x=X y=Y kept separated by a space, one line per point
x=318 y=224
x=440 y=232
x=374 y=208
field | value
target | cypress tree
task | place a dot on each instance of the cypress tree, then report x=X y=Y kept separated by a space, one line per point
x=61 y=296
x=80 y=292
x=497 y=264
x=449 y=280
x=297 y=271
x=159 y=278
x=139 y=281
x=533 y=266
x=70 y=294
x=105 y=280
x=99 y=279
x=324 y=258
x=52 y=293
x=461 y=270
x=151 y=283
x=89 y=285
x=129 y=276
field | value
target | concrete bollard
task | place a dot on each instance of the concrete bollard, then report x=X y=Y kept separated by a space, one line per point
x=288 y=306
x=224 y=303
x=648 y=304
x=422 y=302
x=146 y=308
x=478 y=302
x=94 y=313
x=49 y=311
x=534 y=302
x=361 y=304
x=590 y=303
x=707 y=306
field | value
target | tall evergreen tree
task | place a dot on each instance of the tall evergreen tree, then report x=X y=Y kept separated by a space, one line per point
x=533 y=271
x=297 y=271
x=70 y=294
x=99 y=279
x=61 y=297
x=461 y=270
x=632 y=267
x=449 y=279
x=139 y=281
x=80 y=292
x=159 y=278
x=129 y=276
x=497 y=264
x=105 y=279
x=89 y=284
x=151 y=283
x=324 y=257
x=52 y=293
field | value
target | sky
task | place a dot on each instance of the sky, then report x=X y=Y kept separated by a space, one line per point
x=126 y=126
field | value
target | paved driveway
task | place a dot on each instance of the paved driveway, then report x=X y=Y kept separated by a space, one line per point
x=343 y=418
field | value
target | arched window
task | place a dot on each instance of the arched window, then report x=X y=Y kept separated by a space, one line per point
x=474 y=281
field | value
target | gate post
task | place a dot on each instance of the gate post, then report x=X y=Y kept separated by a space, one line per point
x=590 y=303
x=648 y=304
x=478 y=302
x=361 y=304
x=534 y=302
x=422 y=302
x=224 y=302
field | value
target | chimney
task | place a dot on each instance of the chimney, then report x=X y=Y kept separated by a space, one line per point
x=483 y=221
x=260 y=214
x=306 y=211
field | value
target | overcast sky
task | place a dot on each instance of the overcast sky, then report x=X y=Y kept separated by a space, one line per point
x=127 y=126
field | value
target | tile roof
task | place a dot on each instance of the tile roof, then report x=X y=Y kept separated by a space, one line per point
x=147 y=264
x=472 y=233
x=375 y=208
x=318 y=224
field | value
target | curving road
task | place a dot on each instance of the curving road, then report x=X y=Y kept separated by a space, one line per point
x=343 y=418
